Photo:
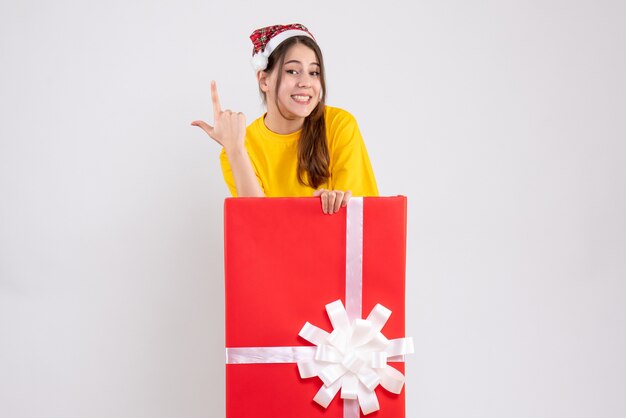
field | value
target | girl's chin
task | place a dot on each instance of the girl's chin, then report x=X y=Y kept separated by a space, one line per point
x=295 y=113
x=303 y=110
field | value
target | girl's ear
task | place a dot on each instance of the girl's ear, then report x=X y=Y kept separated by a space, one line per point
x=262 y=78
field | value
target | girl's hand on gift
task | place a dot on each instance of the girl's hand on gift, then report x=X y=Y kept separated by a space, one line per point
x=229 y=128
x=332 y=200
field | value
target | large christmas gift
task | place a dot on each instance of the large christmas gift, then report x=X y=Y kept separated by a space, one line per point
x=315 y=308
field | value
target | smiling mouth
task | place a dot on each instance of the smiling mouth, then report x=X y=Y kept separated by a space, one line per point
x=301 y=99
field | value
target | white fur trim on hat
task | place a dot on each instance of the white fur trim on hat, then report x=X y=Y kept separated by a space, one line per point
x=259 y=60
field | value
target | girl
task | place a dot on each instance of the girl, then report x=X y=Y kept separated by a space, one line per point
x=300 y=147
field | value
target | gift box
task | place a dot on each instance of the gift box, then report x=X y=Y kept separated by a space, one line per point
x=285 y=261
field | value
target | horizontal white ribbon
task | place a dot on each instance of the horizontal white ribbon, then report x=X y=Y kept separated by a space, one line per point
x=277 y=355
x=251 y=355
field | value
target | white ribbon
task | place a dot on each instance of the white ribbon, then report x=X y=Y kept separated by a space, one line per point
x=353 y=358
x=251 y=355
x=354 y=258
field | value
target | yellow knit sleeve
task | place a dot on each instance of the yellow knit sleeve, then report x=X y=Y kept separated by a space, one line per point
x=350 y=164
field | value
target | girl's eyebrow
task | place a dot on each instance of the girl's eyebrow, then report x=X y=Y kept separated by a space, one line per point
x=298 y=62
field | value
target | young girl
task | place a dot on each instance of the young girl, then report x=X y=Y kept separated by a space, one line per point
x=300 y=147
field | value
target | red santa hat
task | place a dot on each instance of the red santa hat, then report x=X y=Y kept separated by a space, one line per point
x=265 y=41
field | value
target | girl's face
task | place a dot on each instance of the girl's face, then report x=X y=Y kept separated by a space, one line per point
x=300 y=86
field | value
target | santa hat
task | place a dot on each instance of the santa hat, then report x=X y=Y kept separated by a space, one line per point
x=267 y=39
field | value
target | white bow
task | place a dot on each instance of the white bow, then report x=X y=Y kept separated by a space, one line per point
x=354 y=357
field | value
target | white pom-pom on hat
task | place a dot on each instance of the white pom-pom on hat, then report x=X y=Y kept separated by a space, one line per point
x=259 y=61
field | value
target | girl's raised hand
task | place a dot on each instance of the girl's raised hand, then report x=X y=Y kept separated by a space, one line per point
x=229 y=128
x=332 y=200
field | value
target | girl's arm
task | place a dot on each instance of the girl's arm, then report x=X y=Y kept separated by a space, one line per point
x=230 y=132
x=246 y=181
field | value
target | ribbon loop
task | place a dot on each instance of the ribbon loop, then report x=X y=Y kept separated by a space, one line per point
x=400 y=346
x=379 y=360
x=368 y=401
x=326 y=394
x=338 y=316
x=379 y=316
x=313 y=334
x=391 y=379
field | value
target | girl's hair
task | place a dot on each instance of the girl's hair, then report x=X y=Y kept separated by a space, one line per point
x=313 y=154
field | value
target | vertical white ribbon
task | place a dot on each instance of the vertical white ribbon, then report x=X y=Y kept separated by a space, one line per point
x=354 y=278
x=354 y=258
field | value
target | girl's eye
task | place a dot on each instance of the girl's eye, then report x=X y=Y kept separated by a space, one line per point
x=291 y=72
x=315 y=73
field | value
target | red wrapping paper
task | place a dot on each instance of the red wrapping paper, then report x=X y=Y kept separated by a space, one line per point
x=284 y=261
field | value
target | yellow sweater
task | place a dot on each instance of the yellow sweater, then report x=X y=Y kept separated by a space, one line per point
x=275 y=159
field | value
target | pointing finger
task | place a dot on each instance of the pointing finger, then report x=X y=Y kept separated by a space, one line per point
x=215 y=98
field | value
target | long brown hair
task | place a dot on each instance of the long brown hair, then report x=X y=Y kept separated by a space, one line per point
x=313 y=154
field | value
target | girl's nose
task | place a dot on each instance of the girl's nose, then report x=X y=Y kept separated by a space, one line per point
x=304 y=81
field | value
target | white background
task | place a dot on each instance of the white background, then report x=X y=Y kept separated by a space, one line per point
x=502 y=121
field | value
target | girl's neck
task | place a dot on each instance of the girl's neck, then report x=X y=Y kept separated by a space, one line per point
x=278 y=124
